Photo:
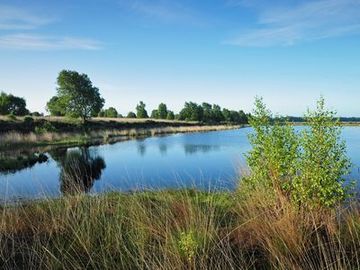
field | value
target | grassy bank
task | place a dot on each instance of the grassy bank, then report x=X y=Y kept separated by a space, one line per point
x=183 y=229
x=62 y=131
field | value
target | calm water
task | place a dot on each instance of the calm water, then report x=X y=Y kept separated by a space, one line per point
x=202 y=160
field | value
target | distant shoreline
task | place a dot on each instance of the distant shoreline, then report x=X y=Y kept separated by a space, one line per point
x=55 y=131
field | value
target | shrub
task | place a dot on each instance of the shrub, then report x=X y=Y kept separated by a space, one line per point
x=28 y=120
x=323 y=159
x=131 y=115
x=306 y=167
x=46 y=127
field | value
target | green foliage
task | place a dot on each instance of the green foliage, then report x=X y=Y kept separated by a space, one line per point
x=216 y=114
x=306 y=167
x=56 y=106
x=170 y=115
x=141 y=111
x=188 y=245
x=131 y=115
x=162 y=111
x=28 y=120
x=212 y=114
x=273 y=156
x=76 y=96
x=46 y=127
x=154 y=114
x=323 y=159
x=109 y=113
x=10 y=104
x=36 y=114
x=191 y=112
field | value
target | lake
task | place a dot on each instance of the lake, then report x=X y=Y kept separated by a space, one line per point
x=211 y=160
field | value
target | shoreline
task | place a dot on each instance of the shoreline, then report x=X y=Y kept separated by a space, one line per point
x=97 y=137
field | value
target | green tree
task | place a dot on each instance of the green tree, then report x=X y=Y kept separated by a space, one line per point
x=141 y=111
x=243 y=117
x=111 y=113
x=274 y=152
x=170 y=115
x=306 y=167
x=101 y=113
x=207 y=117
x=55 y=107
x=216 y=114
x=162 y=111
x=323 y=159
x=79 y=97
x=10 y=104
x=131 y=115
x=155 y=114
x=227 y=115
x=191 y=112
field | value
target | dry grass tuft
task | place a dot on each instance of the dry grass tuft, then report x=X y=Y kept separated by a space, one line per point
x=177 y=230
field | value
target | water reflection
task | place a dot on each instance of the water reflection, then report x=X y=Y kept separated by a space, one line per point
x=79 y=169
x=163 y=149
x=10 y=164
x=191 y=149
x=141 y=147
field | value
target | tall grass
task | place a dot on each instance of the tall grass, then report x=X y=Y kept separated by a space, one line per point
x=177 y=230
x=32 y=138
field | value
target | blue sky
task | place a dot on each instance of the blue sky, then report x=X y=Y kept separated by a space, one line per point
x=219 y=51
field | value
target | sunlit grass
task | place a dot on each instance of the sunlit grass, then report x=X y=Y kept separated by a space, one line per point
x=183 y=229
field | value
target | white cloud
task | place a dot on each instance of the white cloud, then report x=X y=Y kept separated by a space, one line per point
x=41 y=42
x=310 y=20
x=13 y=18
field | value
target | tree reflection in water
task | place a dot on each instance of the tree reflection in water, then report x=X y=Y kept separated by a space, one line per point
x=79 y=170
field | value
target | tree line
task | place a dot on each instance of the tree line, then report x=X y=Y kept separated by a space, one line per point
x=76 y=97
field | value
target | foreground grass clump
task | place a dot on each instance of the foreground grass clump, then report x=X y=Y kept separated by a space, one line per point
x=177 y=230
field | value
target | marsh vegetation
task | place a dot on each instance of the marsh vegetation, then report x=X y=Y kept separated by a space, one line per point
x=293 y=210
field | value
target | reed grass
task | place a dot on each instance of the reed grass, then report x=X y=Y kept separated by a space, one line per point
x=98 y=136
x=184 y=229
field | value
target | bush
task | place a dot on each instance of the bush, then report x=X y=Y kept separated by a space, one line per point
x=28 y=120
x=46 y=127
x=306 y=167
x=131 y=115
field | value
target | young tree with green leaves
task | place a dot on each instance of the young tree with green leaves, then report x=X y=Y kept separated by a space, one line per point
x=273 y=156
x=306 y=167
x=323 y=160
